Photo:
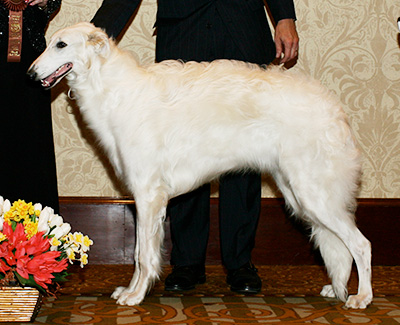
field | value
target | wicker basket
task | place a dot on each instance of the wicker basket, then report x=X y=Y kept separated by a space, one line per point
x=19 y=304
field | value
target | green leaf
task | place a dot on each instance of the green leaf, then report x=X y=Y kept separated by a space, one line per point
x=29 y=282
x=60 y=277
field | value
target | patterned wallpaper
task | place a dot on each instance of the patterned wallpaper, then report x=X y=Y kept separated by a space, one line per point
x=351 y=46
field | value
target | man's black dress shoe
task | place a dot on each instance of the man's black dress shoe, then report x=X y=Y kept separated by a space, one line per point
x=244 y=279
x=184 y=278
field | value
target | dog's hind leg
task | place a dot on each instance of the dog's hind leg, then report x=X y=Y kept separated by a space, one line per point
x=338 y=261
x=324 y=204
x=360 y=247
x=337 y=221
x=151 y=211
x=331 y=247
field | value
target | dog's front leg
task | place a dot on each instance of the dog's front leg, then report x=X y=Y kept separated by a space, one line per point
x=148 y=257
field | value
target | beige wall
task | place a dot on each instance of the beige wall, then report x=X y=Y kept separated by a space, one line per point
x=350 y=45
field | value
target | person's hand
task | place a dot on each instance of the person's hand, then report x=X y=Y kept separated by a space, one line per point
x=40 y=3
x=286 y=40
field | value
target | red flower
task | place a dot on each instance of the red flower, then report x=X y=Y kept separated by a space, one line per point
x=15 y=244
x=15 y=238
x=4 y=249
x=37 y=244
x=6 y=252
x=30 y=257
x=21 y=266
x=3 y=267
x=42 y=266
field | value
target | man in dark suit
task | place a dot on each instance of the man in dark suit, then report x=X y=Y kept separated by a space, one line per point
x=205 y=30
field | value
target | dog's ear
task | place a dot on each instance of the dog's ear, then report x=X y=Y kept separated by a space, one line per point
x=100 y=42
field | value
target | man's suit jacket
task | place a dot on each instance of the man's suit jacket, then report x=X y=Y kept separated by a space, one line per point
x=245 y=20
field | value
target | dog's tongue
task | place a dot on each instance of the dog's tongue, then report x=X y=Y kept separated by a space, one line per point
x=59 y=73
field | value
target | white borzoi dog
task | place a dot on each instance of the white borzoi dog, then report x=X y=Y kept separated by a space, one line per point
x=169 y=127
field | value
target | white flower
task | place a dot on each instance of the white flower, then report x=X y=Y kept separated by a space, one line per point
x=43 y=224
x=61 y=231
x=83 y=260
x=86 y=243
x=1 y=205
x=71 y=254
x=37 y=207
x=76 y=245
x=55 y=220
x=76 y=238
x=6 y=206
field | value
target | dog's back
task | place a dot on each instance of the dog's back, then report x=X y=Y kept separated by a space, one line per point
x=188 y=108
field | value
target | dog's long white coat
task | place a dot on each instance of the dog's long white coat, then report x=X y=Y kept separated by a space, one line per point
x=170 y=127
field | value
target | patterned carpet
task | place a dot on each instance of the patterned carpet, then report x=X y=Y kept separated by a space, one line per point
x=290 y=294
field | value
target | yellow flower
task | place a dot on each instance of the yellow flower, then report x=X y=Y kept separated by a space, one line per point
x=55 y=242
x=31 y=210
x=71 y=255
x=8 y=216
x=78 y=237
x=23 y=208
x=2 y=237
x=17 y=217
x=20 y=205
x=30 y=228
x=84 y=260
x=20 y=210
x=86 y=243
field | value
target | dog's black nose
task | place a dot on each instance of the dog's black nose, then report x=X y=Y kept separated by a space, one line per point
x=31 y=73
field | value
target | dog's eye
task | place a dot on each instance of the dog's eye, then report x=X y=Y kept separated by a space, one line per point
x=61 y=44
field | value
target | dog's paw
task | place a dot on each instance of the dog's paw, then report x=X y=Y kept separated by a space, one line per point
x=125 y=297
x=117 y=292
x=327 y=291
x=358 y=301
x=130 y=299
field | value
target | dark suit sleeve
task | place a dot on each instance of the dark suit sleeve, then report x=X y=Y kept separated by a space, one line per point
x=113 y=15
x=281 y=9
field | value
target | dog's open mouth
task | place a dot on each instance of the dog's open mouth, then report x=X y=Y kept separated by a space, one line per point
x=57 y=75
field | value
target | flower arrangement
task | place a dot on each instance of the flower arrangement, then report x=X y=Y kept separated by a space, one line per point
x=36 y=245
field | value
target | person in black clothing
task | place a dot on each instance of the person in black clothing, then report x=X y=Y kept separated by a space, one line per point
x=206 y=30
x=27 y=164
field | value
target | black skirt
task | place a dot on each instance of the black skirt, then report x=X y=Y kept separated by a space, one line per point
x=27 y=158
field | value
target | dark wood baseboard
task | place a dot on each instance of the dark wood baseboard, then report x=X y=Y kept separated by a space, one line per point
x=280 y=239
